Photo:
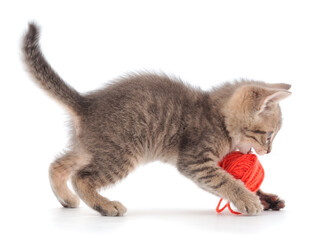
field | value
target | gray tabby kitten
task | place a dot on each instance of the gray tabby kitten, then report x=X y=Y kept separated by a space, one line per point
x=144 y=117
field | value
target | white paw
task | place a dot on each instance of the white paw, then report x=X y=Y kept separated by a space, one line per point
x=249 y=203
x=111 y=208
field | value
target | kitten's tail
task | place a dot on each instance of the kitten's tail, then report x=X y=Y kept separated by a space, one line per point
x=45 y=76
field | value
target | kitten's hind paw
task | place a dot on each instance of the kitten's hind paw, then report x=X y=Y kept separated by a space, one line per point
x=111 y=208
x=270 y=201
x=71 y=202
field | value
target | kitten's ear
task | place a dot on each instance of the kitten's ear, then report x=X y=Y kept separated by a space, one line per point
x=255 y=99
x=273 y=98
x=284 y=86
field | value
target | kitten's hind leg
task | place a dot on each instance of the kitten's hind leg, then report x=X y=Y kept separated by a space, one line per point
x=88 y=180
x=59 y=173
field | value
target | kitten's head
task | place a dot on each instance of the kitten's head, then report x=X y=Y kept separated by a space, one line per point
x=253 y=116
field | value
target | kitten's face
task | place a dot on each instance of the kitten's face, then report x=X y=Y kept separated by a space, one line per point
x=260 y=132
x=253 y=117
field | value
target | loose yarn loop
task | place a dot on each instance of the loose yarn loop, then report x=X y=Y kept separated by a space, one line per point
x=245 y=167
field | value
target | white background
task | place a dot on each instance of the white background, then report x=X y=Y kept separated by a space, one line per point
x=205 y=43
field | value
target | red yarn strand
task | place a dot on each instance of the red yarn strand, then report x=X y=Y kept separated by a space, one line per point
x=220 y=210
x=230 y=209
x=224 y=207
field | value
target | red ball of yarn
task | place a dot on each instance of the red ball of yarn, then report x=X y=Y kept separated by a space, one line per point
x=245 y=167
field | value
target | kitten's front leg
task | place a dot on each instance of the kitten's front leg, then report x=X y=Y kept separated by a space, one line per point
x=270 y=201
x=205 y=172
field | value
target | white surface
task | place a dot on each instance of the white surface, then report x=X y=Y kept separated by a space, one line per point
x=203 y=42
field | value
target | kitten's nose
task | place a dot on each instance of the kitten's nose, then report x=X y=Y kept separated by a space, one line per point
x=268 y=150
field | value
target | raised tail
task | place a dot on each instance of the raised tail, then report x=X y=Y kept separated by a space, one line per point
x=45 y=76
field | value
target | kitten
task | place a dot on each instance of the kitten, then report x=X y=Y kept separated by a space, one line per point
x=144 y=117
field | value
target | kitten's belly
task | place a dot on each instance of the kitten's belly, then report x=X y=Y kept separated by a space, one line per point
x=150 y=155
x=171 y=160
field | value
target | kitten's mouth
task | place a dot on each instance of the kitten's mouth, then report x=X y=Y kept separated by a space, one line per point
x=245 y=150
x=260 y=152
x=248 y=151
x=252 y=150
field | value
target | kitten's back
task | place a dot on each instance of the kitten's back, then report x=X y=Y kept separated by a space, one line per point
x=141 y=113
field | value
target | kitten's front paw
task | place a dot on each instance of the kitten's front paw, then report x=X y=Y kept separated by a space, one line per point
x=248 y=203
x=271 y=201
